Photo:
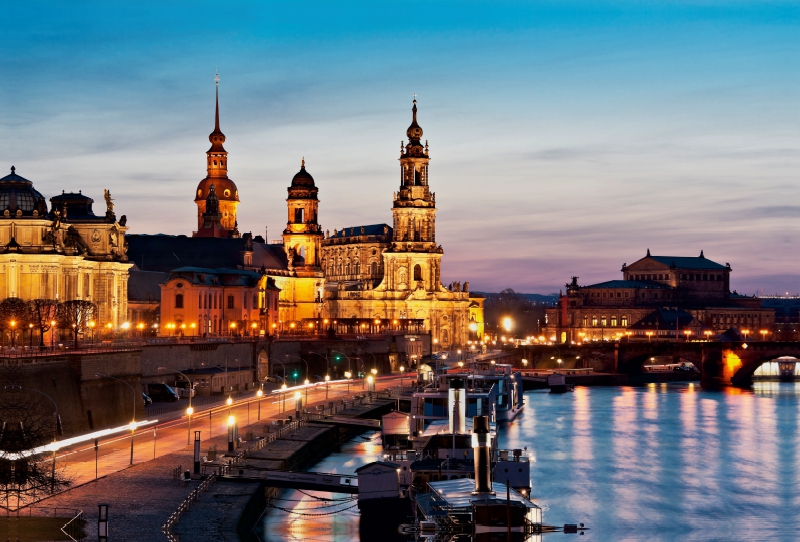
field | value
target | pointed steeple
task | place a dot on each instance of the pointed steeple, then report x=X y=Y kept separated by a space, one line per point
x=648 y=252
x=217 y=138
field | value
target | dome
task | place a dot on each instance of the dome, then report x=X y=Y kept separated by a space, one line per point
x=17 y=193
x=303 y=178
x=226 y=189
x=414 y=131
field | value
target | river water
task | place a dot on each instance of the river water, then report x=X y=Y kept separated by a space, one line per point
x=660 y=462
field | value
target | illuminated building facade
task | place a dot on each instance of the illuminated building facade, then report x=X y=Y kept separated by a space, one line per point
x=405 y=282
x=609 y=310
x=64 y=253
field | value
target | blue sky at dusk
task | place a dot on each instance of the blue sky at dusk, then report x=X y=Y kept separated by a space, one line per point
x=566 y=137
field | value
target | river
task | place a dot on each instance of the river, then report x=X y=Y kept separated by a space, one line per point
x=659 y=462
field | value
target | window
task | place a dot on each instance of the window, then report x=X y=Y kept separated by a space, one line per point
x=585 y=321
x=594 y=321
x=200 y=300
x=603 y=321
x=299 y=215
x=255 y=301
x=613 y=321
x=230 y=302
x=244 y=301
x=619 y=294
x=417 y=272
x=178 y=301
x=624 y=321
x=215 y=300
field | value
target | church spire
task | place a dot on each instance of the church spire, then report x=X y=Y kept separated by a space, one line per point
x=217 y=138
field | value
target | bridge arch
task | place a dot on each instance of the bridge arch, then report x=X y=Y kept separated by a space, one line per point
x=742 y=374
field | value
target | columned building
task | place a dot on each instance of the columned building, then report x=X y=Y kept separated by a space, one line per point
x=409 y=285
x=65 y=253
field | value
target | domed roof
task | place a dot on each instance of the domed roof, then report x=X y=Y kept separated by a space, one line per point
x=303 y=178
x=226 y=189
x=17 y=193
x=414 y=131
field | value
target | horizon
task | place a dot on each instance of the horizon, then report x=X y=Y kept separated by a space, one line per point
x=566 y=138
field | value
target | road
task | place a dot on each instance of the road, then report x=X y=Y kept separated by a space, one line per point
x=164 y=437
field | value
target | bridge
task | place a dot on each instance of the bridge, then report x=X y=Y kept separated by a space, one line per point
x=309 y=481
x=720 y=364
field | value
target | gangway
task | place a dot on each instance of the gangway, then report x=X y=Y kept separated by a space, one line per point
x=310 y=481
x=345 y=420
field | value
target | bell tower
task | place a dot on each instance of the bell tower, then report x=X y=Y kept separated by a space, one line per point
x=413 y=262
x=303 y=235
x=217 y=176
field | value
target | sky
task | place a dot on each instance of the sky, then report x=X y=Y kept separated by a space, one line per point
x=566 y=138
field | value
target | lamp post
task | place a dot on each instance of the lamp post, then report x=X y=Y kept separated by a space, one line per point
x=764 y=334
x=327 y=383
x=13 y=332
x=133 y=421
x=298 y=404
x=327 y=365
x=349 y=368
x=283 y=397
x=402 y=373
x=52 y=334
x=260 y=394
x=30 y=335
x=91 y=330
x=347 y=375
x=745 y=332
x=371 y=385
x=301 y=359
x=190 y=410
x=306 y=383
x=231 y=432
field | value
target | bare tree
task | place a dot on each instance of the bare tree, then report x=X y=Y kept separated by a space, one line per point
x=29 y=422
x=43 y=312
x=14 y=314
x=76 y=315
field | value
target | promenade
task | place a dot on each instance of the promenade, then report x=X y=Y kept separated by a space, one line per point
x=142 y=496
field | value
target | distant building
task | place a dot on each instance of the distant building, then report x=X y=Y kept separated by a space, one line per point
x=64 y=253
x=628 y=308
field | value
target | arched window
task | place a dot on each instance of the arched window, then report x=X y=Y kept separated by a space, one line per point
x=613 y=321
x=178 y=301
x=585 y=321
x=445 y=337
x=200 y=300
x=594 y=321
x=417 y=272
x=255 y=301
x=624 y=321
x=417 y=178
x=230 y=302
x=374 y=268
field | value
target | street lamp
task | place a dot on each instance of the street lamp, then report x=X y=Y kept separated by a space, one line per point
x=764 y=333
x=13 y=332
x=52 y=333
x=231 y=432
x=190 y=410
x=525 y=363
x=370 y=385
x=327 y=380
x=298 y=398
x=283 y=396
x=260 y=394
x=347 y=376
x=133 y=421
x=745 y=332
x=687 y=333
x=305 y=383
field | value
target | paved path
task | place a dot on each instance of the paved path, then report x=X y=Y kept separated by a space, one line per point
x=142 y=496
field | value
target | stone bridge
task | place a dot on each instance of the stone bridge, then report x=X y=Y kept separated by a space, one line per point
x=721 y=364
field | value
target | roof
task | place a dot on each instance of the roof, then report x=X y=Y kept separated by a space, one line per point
x=145 y=285
x=687 y=262
x=167 y=252
x=458 y=493
x=17 y=193
x=78 y=206
x=303 y=178
x=391 y=466
x=372 y=229
x=216 y=277
x=630 y=284
x=664 y=318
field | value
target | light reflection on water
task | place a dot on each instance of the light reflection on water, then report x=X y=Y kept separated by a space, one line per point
x=666 y=462
x=660 y=462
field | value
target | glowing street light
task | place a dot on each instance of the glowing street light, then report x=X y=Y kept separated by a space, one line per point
x=327 y=384
x=764 y=334
x=508 y=323
x=260 y=394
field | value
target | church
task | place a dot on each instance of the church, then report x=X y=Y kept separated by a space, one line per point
x=387 y=273
x=375 y=273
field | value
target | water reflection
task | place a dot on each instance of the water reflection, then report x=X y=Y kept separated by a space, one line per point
x=663 y=462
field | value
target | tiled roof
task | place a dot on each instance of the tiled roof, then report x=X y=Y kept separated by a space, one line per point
x=686 y=262
x=372 y=229
x=630 y=284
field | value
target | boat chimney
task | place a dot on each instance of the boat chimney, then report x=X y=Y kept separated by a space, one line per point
x=457 y=404
x=481 y=448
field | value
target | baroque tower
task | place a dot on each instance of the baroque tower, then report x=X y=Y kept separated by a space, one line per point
x=303 y=235
x=217 y=176
x=414 y=260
